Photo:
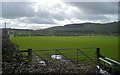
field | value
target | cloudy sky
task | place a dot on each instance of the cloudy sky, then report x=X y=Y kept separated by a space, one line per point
x=48 y=13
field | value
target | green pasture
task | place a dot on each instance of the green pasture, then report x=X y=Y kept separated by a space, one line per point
x=107 y=44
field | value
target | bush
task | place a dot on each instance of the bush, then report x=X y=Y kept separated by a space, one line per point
x=11 y=57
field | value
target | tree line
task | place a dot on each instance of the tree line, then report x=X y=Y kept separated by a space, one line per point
x=46 y=33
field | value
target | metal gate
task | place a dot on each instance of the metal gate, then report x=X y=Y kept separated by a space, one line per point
x=72 y=60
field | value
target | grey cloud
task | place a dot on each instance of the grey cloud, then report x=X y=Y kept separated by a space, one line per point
x=85 y=16
x=97 y=7
x=0 y=9
x=90 y=11
x=90 y=0
x=43 y=13
x=52 y=13
x=95 y=10
x=92 y=17
x=39 y=20
x=59 y=16
x=17 y=9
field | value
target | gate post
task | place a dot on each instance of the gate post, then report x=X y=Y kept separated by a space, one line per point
x=29 y=55
x=98 y=55
x=77 y=57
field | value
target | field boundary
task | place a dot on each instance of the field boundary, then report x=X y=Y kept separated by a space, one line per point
x=99 y=61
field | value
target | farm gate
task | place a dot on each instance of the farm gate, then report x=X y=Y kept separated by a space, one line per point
x=72 y=60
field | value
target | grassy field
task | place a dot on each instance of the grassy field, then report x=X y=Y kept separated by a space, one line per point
x=108 y=45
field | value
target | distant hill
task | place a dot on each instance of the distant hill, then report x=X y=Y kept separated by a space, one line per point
x=89 y=27
x=79 y=29
x=19 y=29
x=83 y=28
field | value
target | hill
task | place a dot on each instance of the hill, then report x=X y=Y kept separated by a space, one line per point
x=71 y=30
x=84 y=28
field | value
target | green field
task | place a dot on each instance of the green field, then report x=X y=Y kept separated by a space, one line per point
x=108 y=44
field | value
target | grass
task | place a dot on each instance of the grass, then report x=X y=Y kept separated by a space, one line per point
x=108 y=45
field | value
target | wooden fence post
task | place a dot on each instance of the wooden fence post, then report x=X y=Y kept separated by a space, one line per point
x=77 y=57
x=98 y=55
x=29 y=55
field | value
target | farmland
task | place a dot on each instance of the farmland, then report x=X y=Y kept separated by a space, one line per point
x=108 y=44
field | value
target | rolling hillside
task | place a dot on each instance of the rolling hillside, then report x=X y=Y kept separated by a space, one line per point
x=72 y=30
x=80 y=29
x=87 y=27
